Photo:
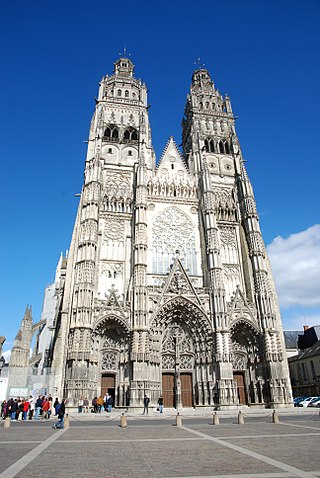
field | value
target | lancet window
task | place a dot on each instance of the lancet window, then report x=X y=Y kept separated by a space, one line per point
x=130 y=135
x=111 y=133
x=209 y=145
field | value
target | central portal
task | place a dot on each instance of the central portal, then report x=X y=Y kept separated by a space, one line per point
x=169 y=390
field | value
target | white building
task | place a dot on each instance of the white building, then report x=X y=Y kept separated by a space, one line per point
x=168 y=285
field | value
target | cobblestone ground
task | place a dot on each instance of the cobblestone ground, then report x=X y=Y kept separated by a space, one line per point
x=153 y=447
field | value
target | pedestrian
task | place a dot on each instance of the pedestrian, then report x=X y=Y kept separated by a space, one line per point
x=26 y=406
x=20 y=409
x=45 y=409
x=160 y=404
x=95 y=405
x=31 y=407
x=38 y=406
x=86 y=405
x=99 y=403
x=56 y=406
x=3 y=409
x=146 y=402
x=14 y=410
x=62 y=410
x=80 y=405
x=50 y=411
x=110 y=403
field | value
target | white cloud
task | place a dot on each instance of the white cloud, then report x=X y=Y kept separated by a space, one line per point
x=296 y=268
x=7 y=355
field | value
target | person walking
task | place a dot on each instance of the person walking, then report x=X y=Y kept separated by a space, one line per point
x=146 y=402
x=80 y=405
x=160 y=404
x=62 y=411
x=110 y=403
x=26 y=406
x=4 y=406
x=14 y=409
x=38 y=407
x=99 y=403
x=86 y=405
x=56 y=406
x=45 y=409
x=31 y=407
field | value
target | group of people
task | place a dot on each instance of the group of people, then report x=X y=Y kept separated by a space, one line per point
x=44 y=407
x=100 y=404
x=18 y=408
x=30 y=409
x=146 y=401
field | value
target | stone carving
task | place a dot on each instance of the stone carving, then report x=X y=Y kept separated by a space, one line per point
x=114 y=230
x=186 y=362
x=109 y=361
x=84 y=272
x=178 y=283
x=162 y=186
x=172 y=230
x=232 y=272
x=88 y=230
x=227 y=236
x=112 y=269
x=168 y=362
x=239 y=362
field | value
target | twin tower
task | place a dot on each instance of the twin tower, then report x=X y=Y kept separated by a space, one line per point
x=168 y=288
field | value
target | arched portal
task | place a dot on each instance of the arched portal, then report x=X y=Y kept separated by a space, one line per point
x=111 y=359
x=182 y=335
x=246 y=346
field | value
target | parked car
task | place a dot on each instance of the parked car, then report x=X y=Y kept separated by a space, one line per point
x=306 y=402
x=297 y=400
x=314 y=403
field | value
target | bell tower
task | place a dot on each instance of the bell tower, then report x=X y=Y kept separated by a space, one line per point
x=95 y=317
x=235 y=257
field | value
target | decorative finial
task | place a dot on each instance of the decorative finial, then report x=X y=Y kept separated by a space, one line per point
x=199 y=64
x=124 y=53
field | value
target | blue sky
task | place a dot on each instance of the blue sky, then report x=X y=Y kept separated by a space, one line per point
x=264 y=54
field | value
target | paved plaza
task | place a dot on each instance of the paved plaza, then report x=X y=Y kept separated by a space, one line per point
x=153 y=446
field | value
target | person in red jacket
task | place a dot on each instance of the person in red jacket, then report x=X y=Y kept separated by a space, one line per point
x=26 y=406
x=45 y=409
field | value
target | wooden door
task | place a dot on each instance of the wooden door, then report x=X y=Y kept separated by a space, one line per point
x=186 y=389
x=108 y=384
x=168 y=390
x=239 y=378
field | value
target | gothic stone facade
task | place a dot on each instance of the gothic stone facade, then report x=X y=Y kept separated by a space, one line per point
x=168 y=286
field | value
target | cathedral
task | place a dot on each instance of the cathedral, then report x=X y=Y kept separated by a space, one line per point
x=167 y=288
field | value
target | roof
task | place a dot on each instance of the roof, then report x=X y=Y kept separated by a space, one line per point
x=307 y=353
x=291 y=338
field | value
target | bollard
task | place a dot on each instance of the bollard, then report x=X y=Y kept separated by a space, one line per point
x=7 y=423
x=275 y=417
x=66 y=423
x=240 y=418
x=178 y=420
x=123 y=421
x=215 y=419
